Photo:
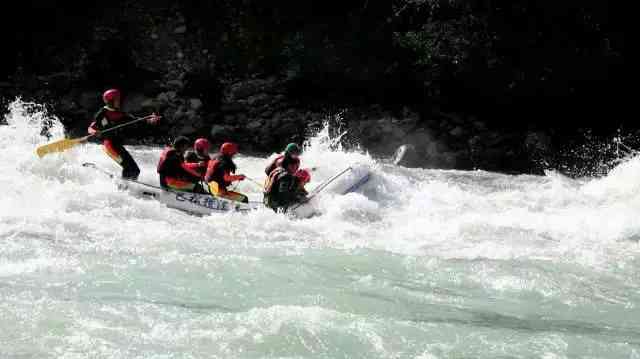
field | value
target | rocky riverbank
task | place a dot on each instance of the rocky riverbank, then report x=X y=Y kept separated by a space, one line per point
x=434 y=78
x=262 y=116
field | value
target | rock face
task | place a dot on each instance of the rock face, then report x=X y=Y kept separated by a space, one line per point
x=433 y=76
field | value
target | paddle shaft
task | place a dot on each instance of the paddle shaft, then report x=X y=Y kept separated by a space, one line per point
x=254 y=181
x=120 y=126
x=322 y=186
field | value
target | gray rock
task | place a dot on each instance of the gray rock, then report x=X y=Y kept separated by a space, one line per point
x=538 y=142
x=178 y=116
x=258 y=100
x=218 y=131
x=456 y=132
x=242 y=117
x=175 y=84
x=245 y=89
x=232 y=107
x=254 y=125
x=134 y=101
x=407 y=156
x=479 y=125
x=149 y=104
x=187 y=130
x=180 y=29
x=163 y=97
x=195 y=104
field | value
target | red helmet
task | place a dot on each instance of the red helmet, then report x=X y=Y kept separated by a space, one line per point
x=229 y=149
x=201 y=145
x=304 y=175
x=111 y=95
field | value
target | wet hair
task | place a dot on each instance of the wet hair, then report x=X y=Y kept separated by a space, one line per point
x=181 y=141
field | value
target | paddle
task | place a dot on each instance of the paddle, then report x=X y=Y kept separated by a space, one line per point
x=253 y=181
x=320 y=187
x=67 y=143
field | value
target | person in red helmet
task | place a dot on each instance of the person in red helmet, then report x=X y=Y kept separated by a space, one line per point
x=109 y=116
x=198 y=159
x=174 y=174
x=221 y=173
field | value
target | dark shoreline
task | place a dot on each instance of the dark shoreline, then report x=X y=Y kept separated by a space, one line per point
x=465 y=85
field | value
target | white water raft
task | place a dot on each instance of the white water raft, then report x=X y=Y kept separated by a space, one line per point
x=349 y=180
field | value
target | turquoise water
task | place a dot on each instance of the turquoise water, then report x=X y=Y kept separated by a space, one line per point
x=418 y=264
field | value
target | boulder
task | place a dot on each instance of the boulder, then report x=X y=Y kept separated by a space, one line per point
x=163 y=97
x=457 y=131
x=195 y=104
x=407 y=156
x=134 y=102
x=175 y=84
x=221 y=132
x=245 y=89
x=258 y=99
x=254 y=124
x=232 y=107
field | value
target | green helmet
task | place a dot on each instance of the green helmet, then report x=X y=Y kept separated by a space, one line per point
x=292 y=148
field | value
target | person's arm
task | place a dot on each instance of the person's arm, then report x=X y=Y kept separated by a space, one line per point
x=93 y=130
x=228 y=177
x=271 y=167
x=211 y=169
x=97 y=125
x=194 y=169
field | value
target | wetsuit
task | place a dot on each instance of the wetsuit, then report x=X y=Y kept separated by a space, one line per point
x=283 y=189
x=220 y=176
x=112 y=142
x=282 y=161
x=174 y=174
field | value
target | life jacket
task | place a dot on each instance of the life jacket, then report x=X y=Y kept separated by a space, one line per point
x=196 y=163
x=274 y=176
x=171 y=166
x=218 y=166
x=166 y=157
x=107 y=118
x=281 y=161
x=282 y=189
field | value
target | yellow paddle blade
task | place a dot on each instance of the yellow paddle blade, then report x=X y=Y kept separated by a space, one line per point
x=58 y=146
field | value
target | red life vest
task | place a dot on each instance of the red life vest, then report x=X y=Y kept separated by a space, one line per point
x=218 y=167
x=162 y=164
x=278 y=162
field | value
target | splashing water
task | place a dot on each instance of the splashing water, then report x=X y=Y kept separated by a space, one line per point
x=419 y=263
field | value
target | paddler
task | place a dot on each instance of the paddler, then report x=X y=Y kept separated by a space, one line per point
x=109 y=116
x=291 y=155
x=198 y=159
x=221 y=173
x=285 y=187
x=174 y=174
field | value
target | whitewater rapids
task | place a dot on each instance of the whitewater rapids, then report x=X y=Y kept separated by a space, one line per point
x=417 y=264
